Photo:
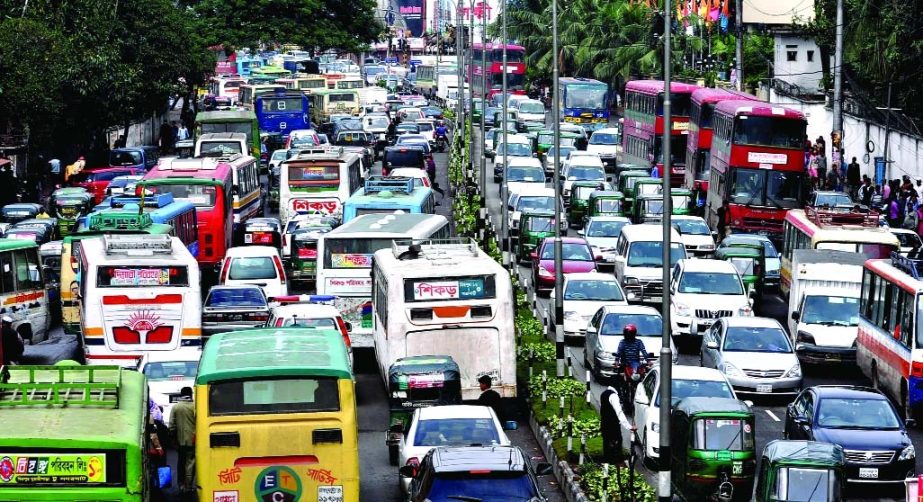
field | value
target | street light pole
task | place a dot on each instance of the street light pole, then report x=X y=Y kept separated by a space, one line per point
x=483 y=176
x=504 y=188
x=558 y=262
x=664 y=489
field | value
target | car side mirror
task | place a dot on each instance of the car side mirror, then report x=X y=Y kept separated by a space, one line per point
x=408 y=471
x=796 y=316
x=911 y=423
x=510 y=425
x=543 y=469
x=533 y=255
x=581 y=232
x=712 y=345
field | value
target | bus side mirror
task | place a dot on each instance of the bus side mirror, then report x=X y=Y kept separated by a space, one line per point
x=349 y=326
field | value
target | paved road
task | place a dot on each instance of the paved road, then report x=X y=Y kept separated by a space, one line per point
x=769 y=411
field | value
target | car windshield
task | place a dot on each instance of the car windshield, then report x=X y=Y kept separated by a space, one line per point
x=833 y=199
x=456 y=432
x=279 y=155
x=649 y=325
x=565 y=151
x=683 y=388
x=376 y=122
x=569 y=252
x=758 y=187
x=585 y=173
x=768 y=248
x=247 y=268
x=531 y=107
x=535 y=174
x=310 y=323
x=171 y=370
x=515 y=150
x=597 y=228
x=722 y=434
x=856 y=413
x=650 y=254
x=870 y=250
x=483 y=487
x=830 y=310
x=235 y=297
x=604 y=138
x=710 y=283
x=593 y=290
x=756 y=339
x=796 y=484
x=908 y=239
x=536 y=204
x=692 y=227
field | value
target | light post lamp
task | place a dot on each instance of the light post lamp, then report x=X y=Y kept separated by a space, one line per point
x=558 y=247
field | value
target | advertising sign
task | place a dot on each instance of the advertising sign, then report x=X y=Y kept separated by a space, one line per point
x=413 y=13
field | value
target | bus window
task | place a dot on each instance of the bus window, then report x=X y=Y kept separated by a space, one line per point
x=278 y=395
x=6 y=272
x=27 y=271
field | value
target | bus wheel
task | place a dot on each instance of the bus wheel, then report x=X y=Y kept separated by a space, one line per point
x=905 y=401
x=392 y=454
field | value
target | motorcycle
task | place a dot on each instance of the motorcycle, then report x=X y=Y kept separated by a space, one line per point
x=629 y=382
x=441 y=143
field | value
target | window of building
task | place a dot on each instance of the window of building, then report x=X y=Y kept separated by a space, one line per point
x=792 y=56
x=810 y=56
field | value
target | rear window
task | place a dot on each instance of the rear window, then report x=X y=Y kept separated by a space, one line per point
x=250 y=297
x=169 y=370
x=313 y=176
x=279 y=395
x=310 y=323
x=483 y=486
x=124 y=158
x=260 y=267
x=405 y=158
x=141 y=276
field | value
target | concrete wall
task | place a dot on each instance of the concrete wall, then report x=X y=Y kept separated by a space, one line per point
x=140 y=133
x=806 y=69
x=906 y=151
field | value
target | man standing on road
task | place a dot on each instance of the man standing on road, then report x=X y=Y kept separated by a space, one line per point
x=611 y=420
x=12 y=346
x=490 y=397
x=852 y=178
x=182 y=428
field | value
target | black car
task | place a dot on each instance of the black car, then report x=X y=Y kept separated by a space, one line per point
x=863 y=422
x=402 y=156
x=432 y=112
x=233 y=308
x=475 y=473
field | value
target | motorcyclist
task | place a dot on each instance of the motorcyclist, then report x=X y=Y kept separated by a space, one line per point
x=631 y=352
x=441 y=130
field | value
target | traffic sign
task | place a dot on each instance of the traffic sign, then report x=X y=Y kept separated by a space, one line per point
x=389 y=17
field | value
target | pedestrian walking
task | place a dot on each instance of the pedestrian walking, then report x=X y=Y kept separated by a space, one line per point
x=12 y=344
x=611 y=420
x=894 y=208
x=182 y=428
x=54 y=171
x=911 y=216
x=490 y=397
x=833 y=177
x=876 y=197
x=812 y=169
x=821 y=161
x=865 y=191
x=182 y=133
x=852 y=178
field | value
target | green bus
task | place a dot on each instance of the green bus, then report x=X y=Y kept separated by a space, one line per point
x=231 y=121
x=72 y=432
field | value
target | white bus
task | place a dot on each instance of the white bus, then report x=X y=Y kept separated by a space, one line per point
x=317 y=181
x=450 y=298
x=344 y=261
x=138 y=293
x=22 y=289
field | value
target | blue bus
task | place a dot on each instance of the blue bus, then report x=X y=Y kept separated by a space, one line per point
x=282 y=111
x=389 y=194
x=584 y=102
x=162 y=208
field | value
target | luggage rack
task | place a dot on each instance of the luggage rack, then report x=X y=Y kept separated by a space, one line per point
x=909 y=265
x=84 y=386
x=378 y=184
x=119 y=221
x=823 y=217
x=434 y=249
x=157 y=200
x=318 y=153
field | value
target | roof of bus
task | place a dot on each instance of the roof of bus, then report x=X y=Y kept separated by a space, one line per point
x=841 y=232
x=756 y=108
x=419 y=194
x=887 y=269
x=657 y=86
x=500 y=46
x=180 y=180
x=710 y=95
x=14 y=244
x=225 y=116
x=398 y=224
x=323 y=92
x=274 y=352
x=578 y=80
x=74 y=426
x=96 y=249
x=455 y=260
x=204 y=167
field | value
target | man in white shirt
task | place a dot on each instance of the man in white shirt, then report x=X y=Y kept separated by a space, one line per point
x=612 y=419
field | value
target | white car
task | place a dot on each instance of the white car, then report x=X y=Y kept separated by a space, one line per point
x=702 y=291
x=259 y=265
x=582 y=168
x=687 y=381
x=410 y=114
x=639 y=261
x=604 y=332
x=602 y=234
x=420 y=178
x=576 y=154
x=573 y=128
x=297 y=221
x=167 y=372
x=309 y=311
x=277 y=157
x=524 y=173
x=909 y=239
x=518 y=146
x=607 y=143
x=531 y=111
x=695 y=234
x=428 y=129
x=584 y=294
x=453 y=425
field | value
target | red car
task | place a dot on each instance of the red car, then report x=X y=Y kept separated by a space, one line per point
x=96 y=179
x=576 y=257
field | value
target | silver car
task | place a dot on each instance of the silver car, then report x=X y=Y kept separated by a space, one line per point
x=233 y=308
x=754 y=354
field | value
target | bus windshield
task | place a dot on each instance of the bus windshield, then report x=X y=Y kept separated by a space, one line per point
x=282 y=104
x=758 y=187
x=353 y=252
x=220 y=148
x=313 y=176
x=244 y=127
x=532 y=108
x=769 y=131
x=199 y=195
x=585 y=96
x=345 y=97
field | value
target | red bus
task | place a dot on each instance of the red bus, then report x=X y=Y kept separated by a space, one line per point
x=207 y=184
x=642 y=132
x=698 y=146
x=757 y=167
x=515 y=66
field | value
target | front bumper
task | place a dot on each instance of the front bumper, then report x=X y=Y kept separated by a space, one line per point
x=689 y=325
x=820 y=354
x=749 y=385
x=644 y=292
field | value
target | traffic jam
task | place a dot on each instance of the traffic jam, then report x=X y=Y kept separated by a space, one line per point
x=234 y=301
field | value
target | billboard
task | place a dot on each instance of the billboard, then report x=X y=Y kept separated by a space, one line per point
x=777 y=11
x=412 y=11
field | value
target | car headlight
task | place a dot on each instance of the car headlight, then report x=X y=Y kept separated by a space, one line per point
x=543 y=272
x=907 y=453
x=632 y=281
x=681 y=309
x=399 y=394
x=605 y=356
x=655 y=427
x=731 y=370
x=571 y=315
x=745 y=311
x=794 y=372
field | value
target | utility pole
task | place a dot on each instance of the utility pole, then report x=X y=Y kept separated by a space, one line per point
x=888 y=111
x=459 y=67
x=504 y=188
x=483 y=175
x=558 y=247
x=739 y=21
x=664 y=488
x=837 y=134
x=461 y=98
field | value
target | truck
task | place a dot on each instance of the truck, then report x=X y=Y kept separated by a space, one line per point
x=372 y=95
x=447 y=90
x=823 y=305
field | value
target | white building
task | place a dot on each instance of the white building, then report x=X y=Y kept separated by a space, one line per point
x=797 y=62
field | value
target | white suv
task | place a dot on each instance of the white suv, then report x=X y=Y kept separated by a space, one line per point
x=607 y=143
x=639 y=261
x=702 y=291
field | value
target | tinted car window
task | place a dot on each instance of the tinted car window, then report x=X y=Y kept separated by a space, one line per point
x=405 y=157
x=260 y=267
x=250 y=297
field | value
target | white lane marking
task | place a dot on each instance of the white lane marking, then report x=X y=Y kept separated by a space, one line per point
x=772 y=415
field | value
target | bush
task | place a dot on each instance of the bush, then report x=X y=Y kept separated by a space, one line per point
x=618 y=488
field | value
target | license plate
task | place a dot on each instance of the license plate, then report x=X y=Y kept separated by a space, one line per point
x=764 y=388
x=868 y=473
x=833 y=357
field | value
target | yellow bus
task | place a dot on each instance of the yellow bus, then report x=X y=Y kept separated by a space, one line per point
x=306 y=85
x=276 y=417
x=814 y=228
x=325 y=102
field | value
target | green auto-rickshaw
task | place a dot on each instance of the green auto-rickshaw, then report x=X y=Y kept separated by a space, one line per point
x=648 y=208
x=477 y=105
x=303 y=251
x=64 y=192
x=713 y=449
x=534 y=227
x=579 y=200
x=605 y=203
x=68 y=208
x=681 y=201
x=807 y=471
x=544 y=141
x=418 y=382
x=648 y=186
x=750 y=262
x=625 y=167
x=627 y=185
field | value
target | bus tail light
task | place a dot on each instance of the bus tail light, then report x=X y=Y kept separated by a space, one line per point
x=126 y=336
x=345 y=332
x=451 y=311
x=161 y=334
x=279 y=269
x=224 y=272
x=916 y=369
